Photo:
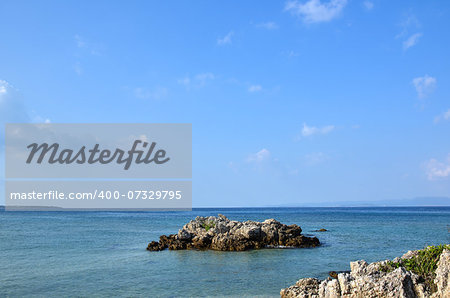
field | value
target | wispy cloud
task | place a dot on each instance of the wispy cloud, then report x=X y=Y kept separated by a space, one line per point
x=203 y=78
x=3 y=89
x=221 y=41
x=12 y=107
x=437 y=170
x=91 y=48
x=264 y=163
x=84 y=48
x=315 y=158
x=186 y=81
x=316 y=11
x=424 y=85
x=196 y=81
x=78 y=69
x=36 y=118
x=267 y=25
x=408 y=22
x=290 y=54
x=80 y=42
x=411 y=41
x=313 y=130
x=254 y=88
x=409 y=31
x=155 y=93
x=259 y=156
x=443 y=117
x=368 y=5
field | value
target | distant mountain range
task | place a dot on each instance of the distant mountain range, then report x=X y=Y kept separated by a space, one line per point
x=415 y=202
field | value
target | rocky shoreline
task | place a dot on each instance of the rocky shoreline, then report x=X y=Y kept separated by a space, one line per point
x=220 y=233
x=422 y=273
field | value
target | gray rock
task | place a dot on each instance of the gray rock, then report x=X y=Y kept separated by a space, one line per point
x=184 y=235
x=220 y=233
x=306 y=287
x=442 y=275
x=366 y=280
x=410 y=254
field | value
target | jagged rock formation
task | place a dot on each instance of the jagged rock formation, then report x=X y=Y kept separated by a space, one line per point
x=220 y=233
x=370 y=280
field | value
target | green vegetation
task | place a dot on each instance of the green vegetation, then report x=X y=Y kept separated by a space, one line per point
x=423 y=264
x=208 y=225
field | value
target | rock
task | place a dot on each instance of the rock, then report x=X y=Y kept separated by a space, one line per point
x=251 y=232
x=358 y=268
x=184 y=235
x=220 y=233
x=154 y=246
x=306 y=287
x=333 y=274
x=442 y=275
x=202 y=241
x=321 y=230
x=367 y=280
x=330 y=288
x=410 y=254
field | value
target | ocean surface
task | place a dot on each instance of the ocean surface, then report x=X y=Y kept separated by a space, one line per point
x=56 y=254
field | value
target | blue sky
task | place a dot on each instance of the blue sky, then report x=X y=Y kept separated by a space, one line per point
x=291 y=102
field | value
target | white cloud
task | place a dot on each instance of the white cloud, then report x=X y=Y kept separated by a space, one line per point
x=436 y=169
x=226 y=39
x=78 y=69
x=254 y=88
x=409 y=31
x=315 y=158
x=202 y=78
x=3 y=85
x=12 y=107
x=81 y=43
x=5 y=89
x=368 y=5
x=196 y=81
x=312 y=130
x=314 y=11
x=411 y=41
x=268 y=25
x=408 y=22
x=35 y=118
x=447 y=115
x=424 y=85
x=155 y=93
x=259 y=156
x=85 y=46
x=186 y=81
x=443 y=117
x=290 y=54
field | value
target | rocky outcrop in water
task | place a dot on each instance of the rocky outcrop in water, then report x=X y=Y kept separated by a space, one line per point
x=377 y=280
x=220 y=233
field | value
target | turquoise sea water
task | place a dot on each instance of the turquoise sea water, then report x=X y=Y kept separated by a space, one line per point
x=103 y=253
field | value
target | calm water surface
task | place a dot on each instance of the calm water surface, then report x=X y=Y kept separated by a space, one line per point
x=103 y=253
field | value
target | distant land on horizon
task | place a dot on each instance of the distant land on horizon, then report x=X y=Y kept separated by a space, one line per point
x=414 y=202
